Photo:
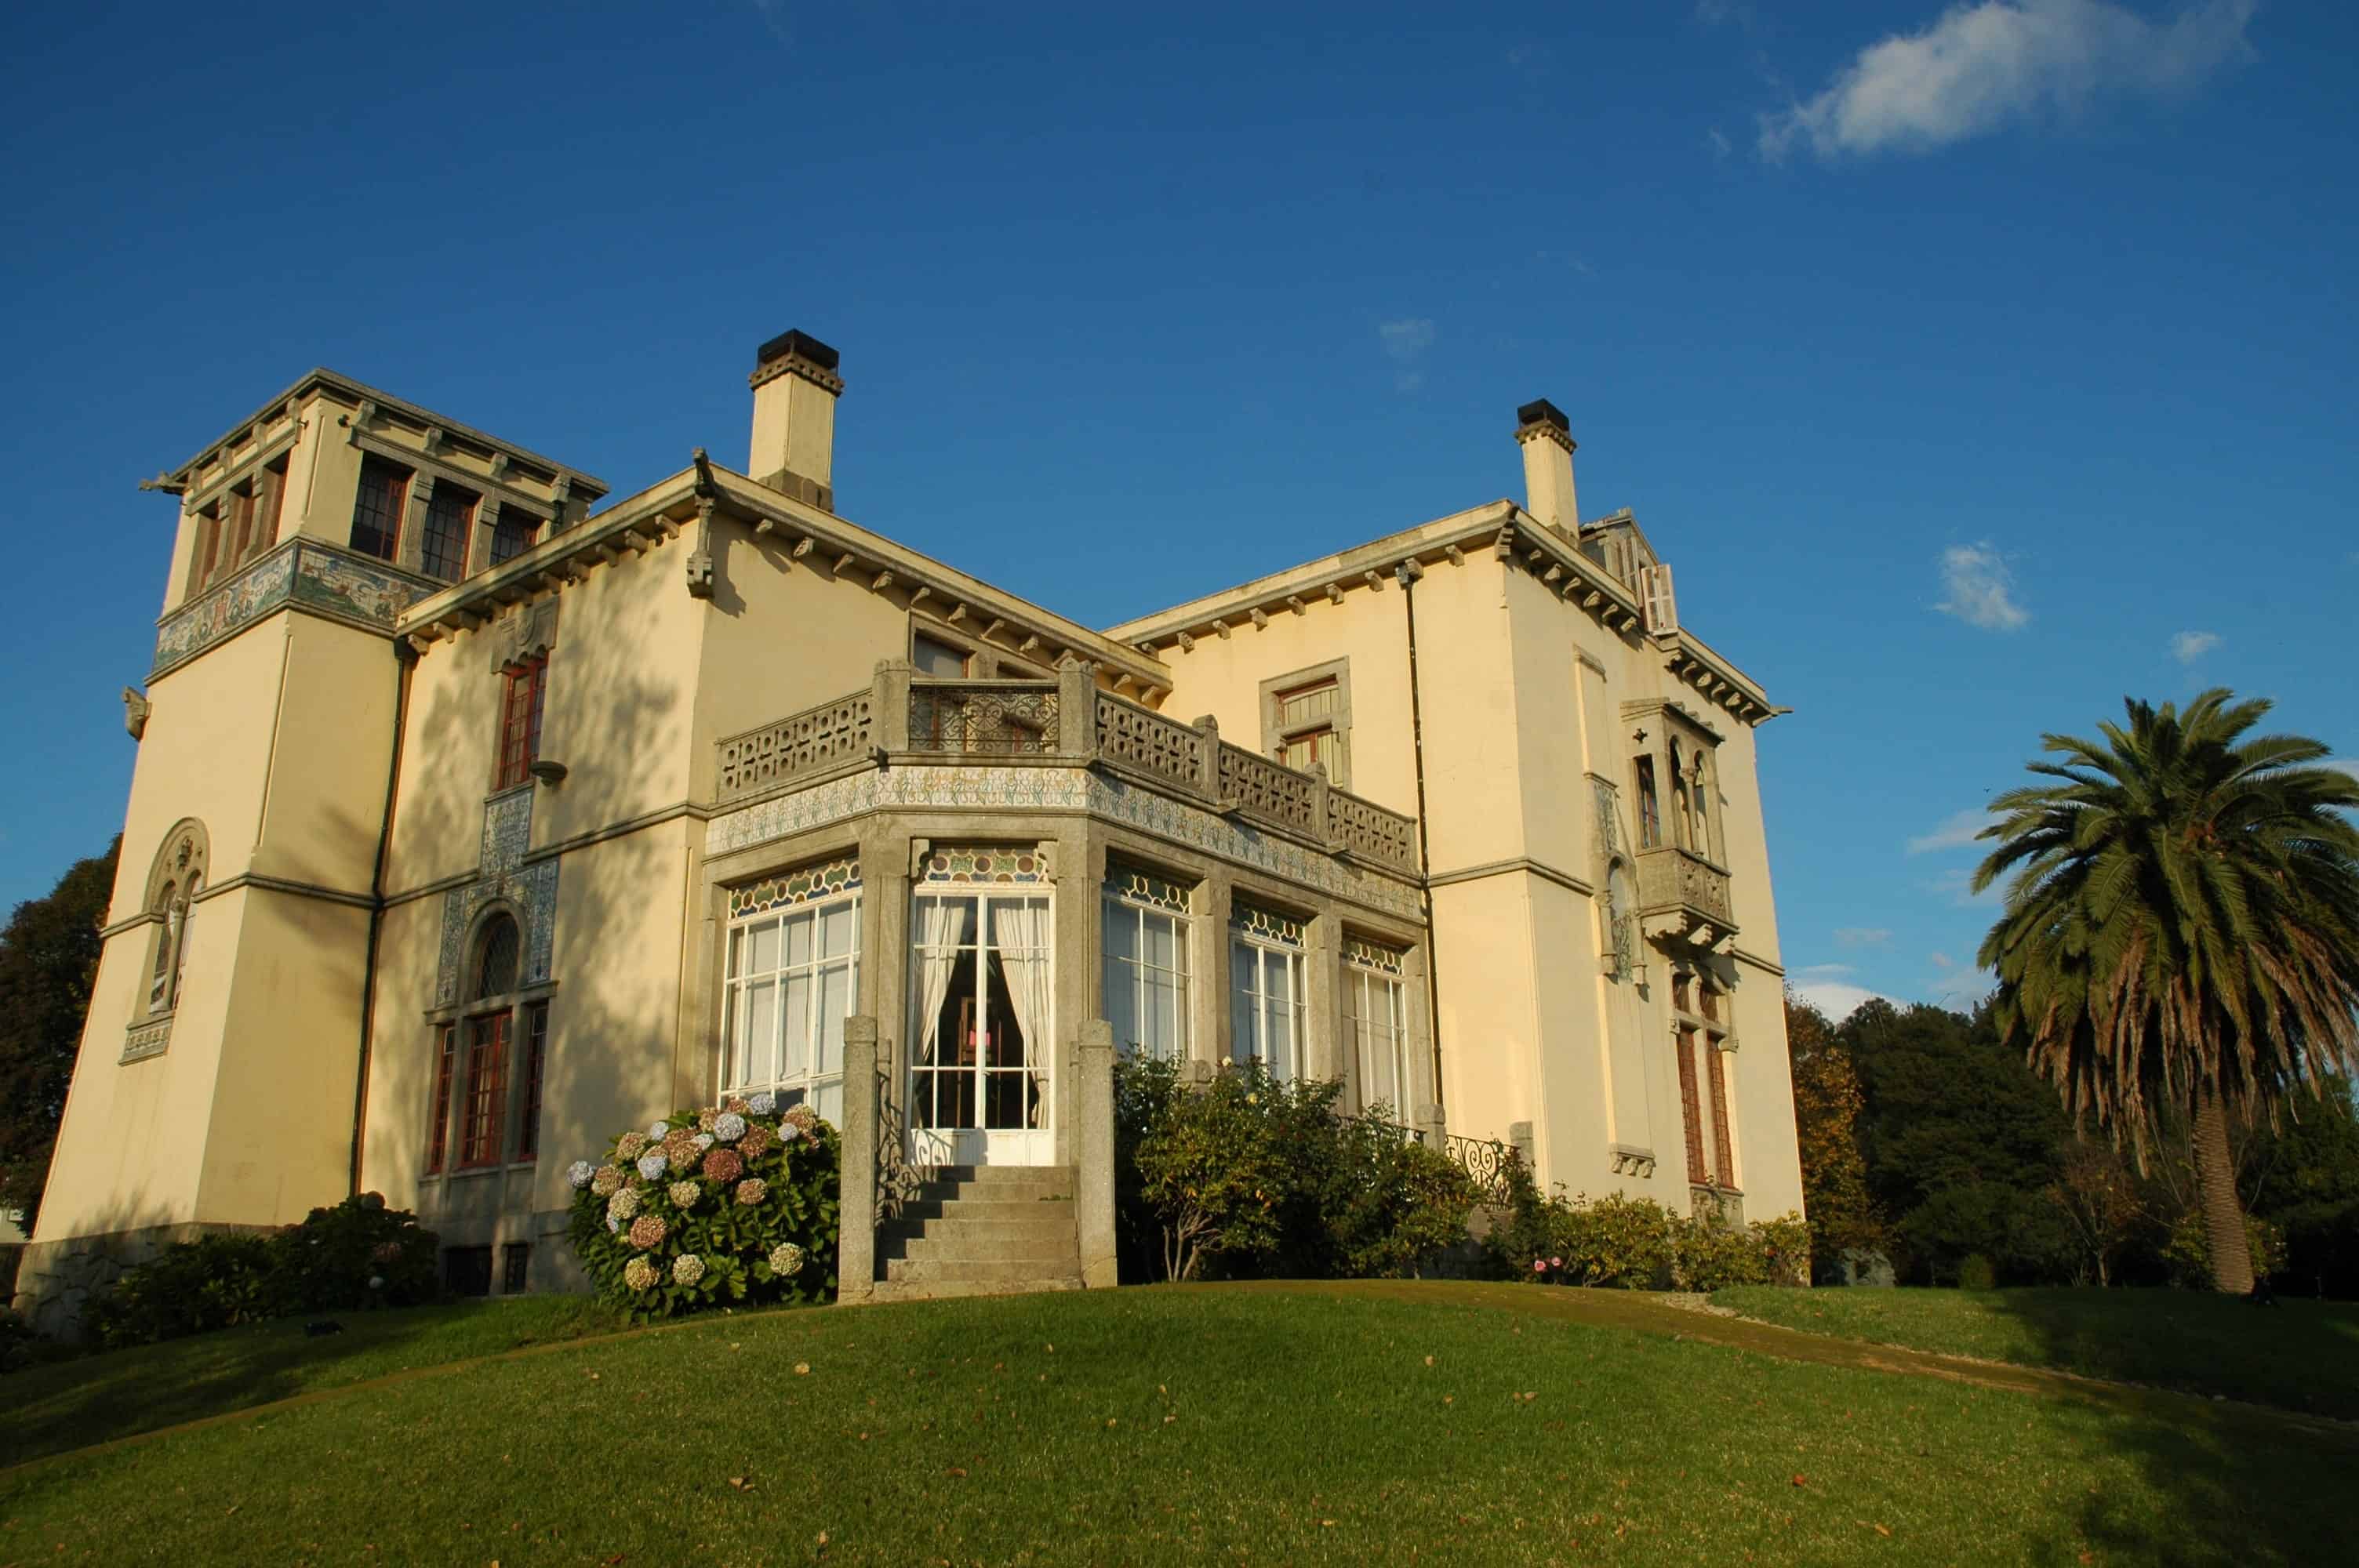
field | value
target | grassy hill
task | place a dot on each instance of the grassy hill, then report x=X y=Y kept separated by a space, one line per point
x=1286 y=1424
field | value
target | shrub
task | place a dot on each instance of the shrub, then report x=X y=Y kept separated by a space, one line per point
x=357 y=1254
x=1976 y=1272
x=190 y=1287
x=1210 y=1173
x=735 y=1203
x=1635 y=1243
x=2188 y=1253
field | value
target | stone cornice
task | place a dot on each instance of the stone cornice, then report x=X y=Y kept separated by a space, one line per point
x=346 y=390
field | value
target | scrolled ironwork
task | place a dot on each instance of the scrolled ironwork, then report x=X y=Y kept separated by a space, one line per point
x=899 y=1179
x=1484 y=1162
x=986 y=719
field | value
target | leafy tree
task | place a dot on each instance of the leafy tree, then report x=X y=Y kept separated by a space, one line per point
x=1959 y=1140
x=48 y=959
x=1828 y=1105
x=2303 y=1177
x=2181 y=930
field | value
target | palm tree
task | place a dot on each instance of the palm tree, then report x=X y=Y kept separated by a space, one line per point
x=2181 y=934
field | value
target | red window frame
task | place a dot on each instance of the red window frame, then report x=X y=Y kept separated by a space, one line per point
x=527 y=686
x=483 y=1133
x=449 y=520
x=376 y=510
x=439 y=1144
x=1691 y=1109
x=1718 y=1082
x=535 y=1051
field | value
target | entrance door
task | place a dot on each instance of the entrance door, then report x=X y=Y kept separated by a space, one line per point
x=983 y=978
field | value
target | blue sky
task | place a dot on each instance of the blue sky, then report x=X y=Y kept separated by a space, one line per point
x=1973 y=366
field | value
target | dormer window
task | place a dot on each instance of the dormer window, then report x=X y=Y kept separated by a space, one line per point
x=377 y=512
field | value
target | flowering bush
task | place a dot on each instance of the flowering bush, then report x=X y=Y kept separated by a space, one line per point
x=730 y=1203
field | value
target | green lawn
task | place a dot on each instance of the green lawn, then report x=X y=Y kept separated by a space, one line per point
x=71 y=1404
x=1436 y=1422
x=2302 y=1354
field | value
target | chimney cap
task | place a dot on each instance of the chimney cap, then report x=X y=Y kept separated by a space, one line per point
x=802 y=345
x=1541 y=411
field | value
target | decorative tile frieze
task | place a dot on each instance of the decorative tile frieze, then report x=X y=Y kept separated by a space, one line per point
x=807 y=885
x=1136 y=886
x=304 y=573
x=1366 y=955
x=531 y=889
x=983 y=863
x=934 y=787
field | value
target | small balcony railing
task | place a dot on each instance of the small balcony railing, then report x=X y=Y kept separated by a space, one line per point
x=1067 y=721
x=1679 y=886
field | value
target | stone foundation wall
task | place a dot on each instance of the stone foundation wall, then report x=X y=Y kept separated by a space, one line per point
x=56 y=1280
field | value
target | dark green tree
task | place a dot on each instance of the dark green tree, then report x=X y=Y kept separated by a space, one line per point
x=2304 y=1177
x=2181 y=930
x=49 y=956
x=1828 y=1108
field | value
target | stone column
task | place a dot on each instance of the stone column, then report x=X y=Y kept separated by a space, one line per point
x=855 y=1270
x=890 y=705
x=885 y=941
x=1077 y=709
x=1424 y=1109
x=1093 y=1183
x=1326 y=1054
x=410 y=548
x=1076 y=870
x=1208 y=977
x=1208 y=757
x=480 y=536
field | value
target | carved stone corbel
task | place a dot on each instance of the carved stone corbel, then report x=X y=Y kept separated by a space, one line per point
x=699 y=559
x=136 y=709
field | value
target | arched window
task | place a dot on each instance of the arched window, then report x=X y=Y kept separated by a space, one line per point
x=497 y=1044
x=173 y=884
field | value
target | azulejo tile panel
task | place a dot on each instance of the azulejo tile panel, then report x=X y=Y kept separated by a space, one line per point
x=927 y=787
x=993 y=863
x=806 y=884
x=317 y=576
x=532 y=889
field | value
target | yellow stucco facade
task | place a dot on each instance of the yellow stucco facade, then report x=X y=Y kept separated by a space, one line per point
x=474 y=820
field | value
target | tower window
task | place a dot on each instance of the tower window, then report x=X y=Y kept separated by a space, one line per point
x=450 y=517
x=512 y=533
x=376 y=513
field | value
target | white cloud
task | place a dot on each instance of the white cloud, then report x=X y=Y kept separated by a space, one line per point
x=1405 y=342
x=1984 y=65
x=1979 y=590
x=2348 y=764
x=1720 y=144
x=1957 y=830
x=1943 y=960
x=2189 y=646
x=1838 y=998
x=1957 y=887
x=1862 y=936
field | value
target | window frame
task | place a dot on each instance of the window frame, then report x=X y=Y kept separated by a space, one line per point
x=1279 y=735
x=736 y=1056
x=520 y=723
x=1262 y=933
x=491 y=1062
x=1159 y=898
x=1368 y=965
x=402 y=481
x=446 y=535
x=1703 y=1019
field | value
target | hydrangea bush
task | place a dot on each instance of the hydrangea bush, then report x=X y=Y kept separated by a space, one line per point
x=735 y=1203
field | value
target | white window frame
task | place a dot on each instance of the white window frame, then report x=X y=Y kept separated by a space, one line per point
x=816 y=1083
x=1256 y=947
x=1124 y=903
x=1375 y=1014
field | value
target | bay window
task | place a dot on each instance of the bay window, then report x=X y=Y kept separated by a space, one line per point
x=791 y=980
x=1147 y=963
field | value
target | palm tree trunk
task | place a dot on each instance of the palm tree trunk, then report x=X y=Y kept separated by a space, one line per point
x=2224 y=1216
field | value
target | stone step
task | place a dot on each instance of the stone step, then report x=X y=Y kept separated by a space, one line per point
x=999 y=1175
x=1057 y=1246
x=978 y=1271
x=984 y=1236
x=1014 y=1196
x=937 y=1290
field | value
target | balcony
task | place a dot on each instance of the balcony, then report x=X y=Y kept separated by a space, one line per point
x=1065 y=722
x=1683 y=894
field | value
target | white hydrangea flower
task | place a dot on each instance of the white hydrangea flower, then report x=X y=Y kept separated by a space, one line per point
x=703 y=1142
x=653 y=1165
x=613 y=1224
x=625 y=1204
x=685 y=1193
x=763 y=1104
x=687 y=1269
x=658 y=1129
x=785 y=1259
x=729 y=1127
x=578 y=1174
x=377 y=1282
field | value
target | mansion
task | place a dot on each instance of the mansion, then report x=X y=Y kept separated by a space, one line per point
x=478 y=816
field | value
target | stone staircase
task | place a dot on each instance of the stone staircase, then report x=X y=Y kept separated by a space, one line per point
x=983 y=1230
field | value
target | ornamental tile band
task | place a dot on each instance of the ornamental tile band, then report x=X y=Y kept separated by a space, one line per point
x=302 y=572
x=978 y=864
x=806 y=885
x=1252 y=920
x=1130 y=883
x=1368 y=954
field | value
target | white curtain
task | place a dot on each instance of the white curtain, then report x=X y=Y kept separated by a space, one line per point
x=1026 y=938
x=944 y=925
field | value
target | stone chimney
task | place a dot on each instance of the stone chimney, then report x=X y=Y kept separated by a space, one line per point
x=795 y=389
x=1542 y=431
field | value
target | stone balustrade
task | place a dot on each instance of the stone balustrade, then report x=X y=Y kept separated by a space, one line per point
x=1067 y=721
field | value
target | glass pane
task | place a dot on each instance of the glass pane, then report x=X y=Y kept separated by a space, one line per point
x=937 y=660
x=1122 y=1006
x=1163 y=1010
x=828 y=1100
x=760 y=1031
x=834 y=1007
x=1120 y=930
x=835 y=931
x=1162 y=942
x=1277 y=1032
x=762 y=945
x=794 y=1052
x=799 y=939
x=1245 y=967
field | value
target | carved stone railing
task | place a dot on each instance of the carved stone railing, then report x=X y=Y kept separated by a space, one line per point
x=1143 y=739
x=1674 y=881
x=811 y=742
x=1064 y=720
x=997 y=717
x=1270 y=791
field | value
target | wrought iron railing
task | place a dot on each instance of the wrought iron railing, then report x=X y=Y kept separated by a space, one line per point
x=899 y=1179
x=997 y=717
x=1484 y=1162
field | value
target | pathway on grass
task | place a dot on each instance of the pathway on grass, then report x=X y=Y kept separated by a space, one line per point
x=1628 y=1310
